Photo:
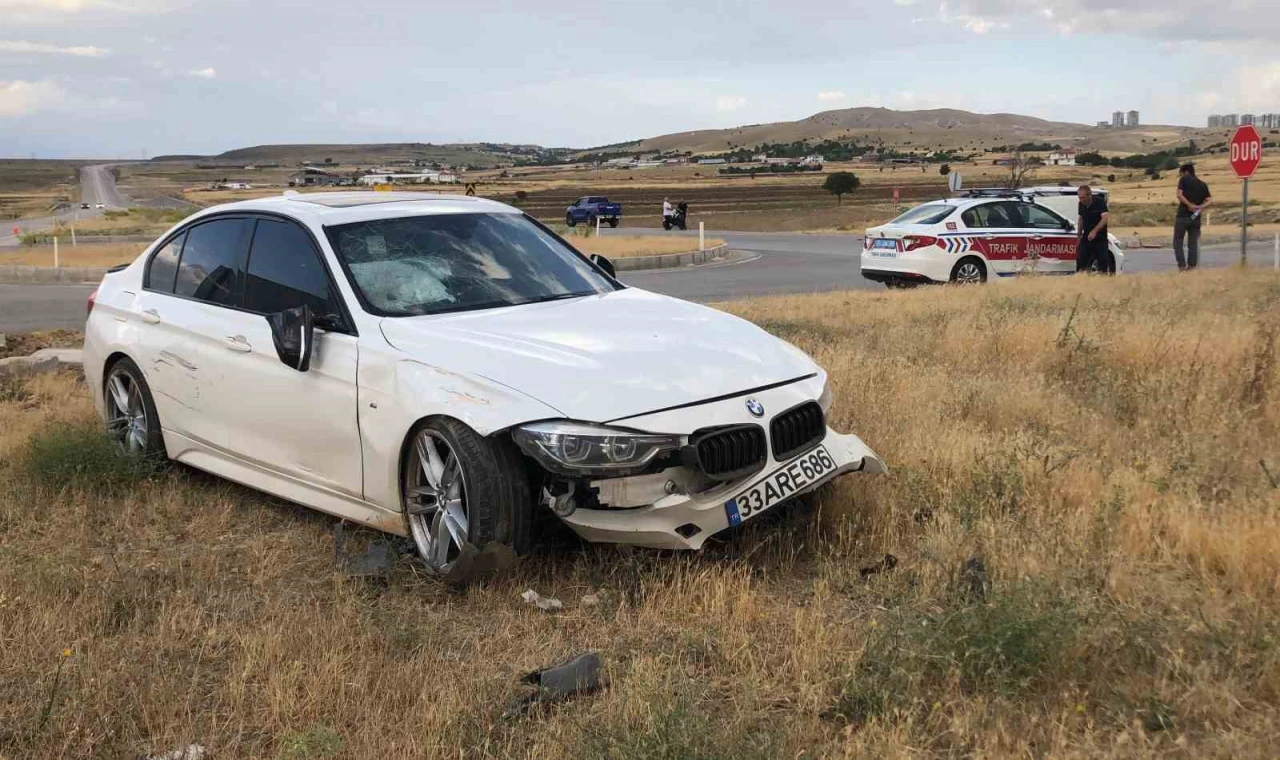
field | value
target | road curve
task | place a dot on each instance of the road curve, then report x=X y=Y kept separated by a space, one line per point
x=778 y=263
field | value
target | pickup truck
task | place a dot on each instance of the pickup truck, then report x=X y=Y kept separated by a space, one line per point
x=591 y=208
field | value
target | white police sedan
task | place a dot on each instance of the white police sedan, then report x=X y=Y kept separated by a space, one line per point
x=976 y=238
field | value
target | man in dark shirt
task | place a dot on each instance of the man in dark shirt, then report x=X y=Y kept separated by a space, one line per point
x=1093 y=248
x=1193 y=197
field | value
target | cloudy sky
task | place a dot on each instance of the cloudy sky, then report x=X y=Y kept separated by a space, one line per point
x=120 y=78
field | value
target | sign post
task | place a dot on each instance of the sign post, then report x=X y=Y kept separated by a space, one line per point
x=1246 y=154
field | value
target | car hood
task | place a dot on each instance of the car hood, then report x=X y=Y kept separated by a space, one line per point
x=606 y=357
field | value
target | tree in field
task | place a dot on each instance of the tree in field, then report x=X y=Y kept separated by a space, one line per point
x=1021 y=168
x=945 y=169
x=839 y=183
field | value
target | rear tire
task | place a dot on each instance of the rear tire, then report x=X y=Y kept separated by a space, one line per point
x=613 y=224
x=458 y=487
x=132 y=419
x=969 y=271
x=570 y=221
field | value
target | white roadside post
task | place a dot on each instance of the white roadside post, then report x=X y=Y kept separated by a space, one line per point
x=1275 y=263
x=702 y=237
x=55 y=253
x=597 y=226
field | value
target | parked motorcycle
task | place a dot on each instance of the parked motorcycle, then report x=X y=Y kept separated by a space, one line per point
x=678 y=219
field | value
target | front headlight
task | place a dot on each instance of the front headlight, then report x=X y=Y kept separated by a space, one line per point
x=581 y=449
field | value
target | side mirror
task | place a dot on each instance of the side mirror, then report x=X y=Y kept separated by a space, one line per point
x=604 y=264
x=1068 y=226
x=292 y=332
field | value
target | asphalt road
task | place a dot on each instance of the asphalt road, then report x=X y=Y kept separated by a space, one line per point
x=97 y=185
x=777 y=263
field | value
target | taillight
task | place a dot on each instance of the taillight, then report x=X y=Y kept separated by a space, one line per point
x=89 y=308
x=918 y=241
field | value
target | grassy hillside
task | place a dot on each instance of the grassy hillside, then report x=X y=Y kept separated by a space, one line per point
x=937 y=129
x=1107 y=450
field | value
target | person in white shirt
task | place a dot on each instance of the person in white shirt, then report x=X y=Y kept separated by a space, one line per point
x=668 y=210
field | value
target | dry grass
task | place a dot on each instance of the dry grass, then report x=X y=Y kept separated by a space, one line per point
x=84 y=255
x=620 y=247
x=1096 y=443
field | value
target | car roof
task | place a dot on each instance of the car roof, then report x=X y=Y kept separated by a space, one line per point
x=328 y=209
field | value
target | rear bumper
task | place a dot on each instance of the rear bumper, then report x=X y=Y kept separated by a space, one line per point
x=926 y=265
x=680 y=521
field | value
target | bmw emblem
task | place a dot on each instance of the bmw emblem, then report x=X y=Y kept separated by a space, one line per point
x=755 y=407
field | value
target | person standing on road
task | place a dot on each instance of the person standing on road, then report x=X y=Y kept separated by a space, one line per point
x=1093 y=247
x=1193 y=198
x=667 y=210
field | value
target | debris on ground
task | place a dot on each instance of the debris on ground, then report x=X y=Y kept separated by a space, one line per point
x=189 y=752
x=375 y=561
x=544 y=603
x=923 y=515
x=580 y=675
x=474 y=565
x=888 y=563
x=973 y=577
x=590 y=600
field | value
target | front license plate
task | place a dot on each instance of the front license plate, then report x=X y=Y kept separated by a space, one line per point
x=780 y=485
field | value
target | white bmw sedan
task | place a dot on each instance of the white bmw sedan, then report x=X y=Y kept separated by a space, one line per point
x=441 y=367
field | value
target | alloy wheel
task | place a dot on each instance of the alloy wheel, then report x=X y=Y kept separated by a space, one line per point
x=435 y=499
x=126 y=412
x=969 y=273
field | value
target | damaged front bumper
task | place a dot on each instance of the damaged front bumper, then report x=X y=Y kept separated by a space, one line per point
x=685 y=521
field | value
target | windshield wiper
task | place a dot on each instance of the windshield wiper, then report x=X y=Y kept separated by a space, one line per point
x=558 y=297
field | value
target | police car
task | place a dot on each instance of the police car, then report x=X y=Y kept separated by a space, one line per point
x=979 y=236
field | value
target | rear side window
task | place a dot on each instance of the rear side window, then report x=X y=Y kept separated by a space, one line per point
x=929 y=213
x=164 y=265
x=285 y=271
x=1000 y=214
x=213 y=261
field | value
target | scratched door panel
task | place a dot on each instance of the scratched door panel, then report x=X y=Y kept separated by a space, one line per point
x=175 y=334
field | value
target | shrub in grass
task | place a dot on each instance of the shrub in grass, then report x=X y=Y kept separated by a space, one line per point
x=82 y=455
x=1006 y=646
x=675 y=727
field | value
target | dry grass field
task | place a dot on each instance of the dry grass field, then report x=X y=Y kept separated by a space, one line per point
x=29 y=187
x=620 y=247
x=1107 y=449
x=84 y=255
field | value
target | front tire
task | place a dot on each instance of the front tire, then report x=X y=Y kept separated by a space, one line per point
x=461 y=491
x=969 y=271
x=132 y=419
x=570 y=221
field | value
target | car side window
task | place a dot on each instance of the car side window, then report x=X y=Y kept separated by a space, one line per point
x=213 y=261
x=285 y=271
x=163 y=266
x=1000 y=214
x=1040 y=218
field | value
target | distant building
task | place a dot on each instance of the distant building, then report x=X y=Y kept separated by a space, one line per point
x=711 y=161
x=1117 y=118
x=1131 y=119
x=1062 y=158
x=1215 y=121
x=1246 y=119
x=1104 y=124
x=310 y=176
x=814 y=160
x=408 y=178
x=1230 y=120
x=760 y=158
x=1271 y=121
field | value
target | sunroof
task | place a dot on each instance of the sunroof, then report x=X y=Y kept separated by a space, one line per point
x=345 y=200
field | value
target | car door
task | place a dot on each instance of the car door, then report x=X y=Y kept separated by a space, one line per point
x=191 y=286
x=1052 y=239
x=999 y=235
x=300 y=424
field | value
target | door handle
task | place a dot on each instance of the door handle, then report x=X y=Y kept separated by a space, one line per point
x=237 y=343
x=150 y=316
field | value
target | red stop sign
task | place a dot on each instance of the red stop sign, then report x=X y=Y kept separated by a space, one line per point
x=1246 y=151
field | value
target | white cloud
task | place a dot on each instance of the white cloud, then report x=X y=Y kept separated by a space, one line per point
x=23 y=46
x=207 y=72
x=831 y=95
x=21 y=98
x=730 y=102
x=75 y=6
